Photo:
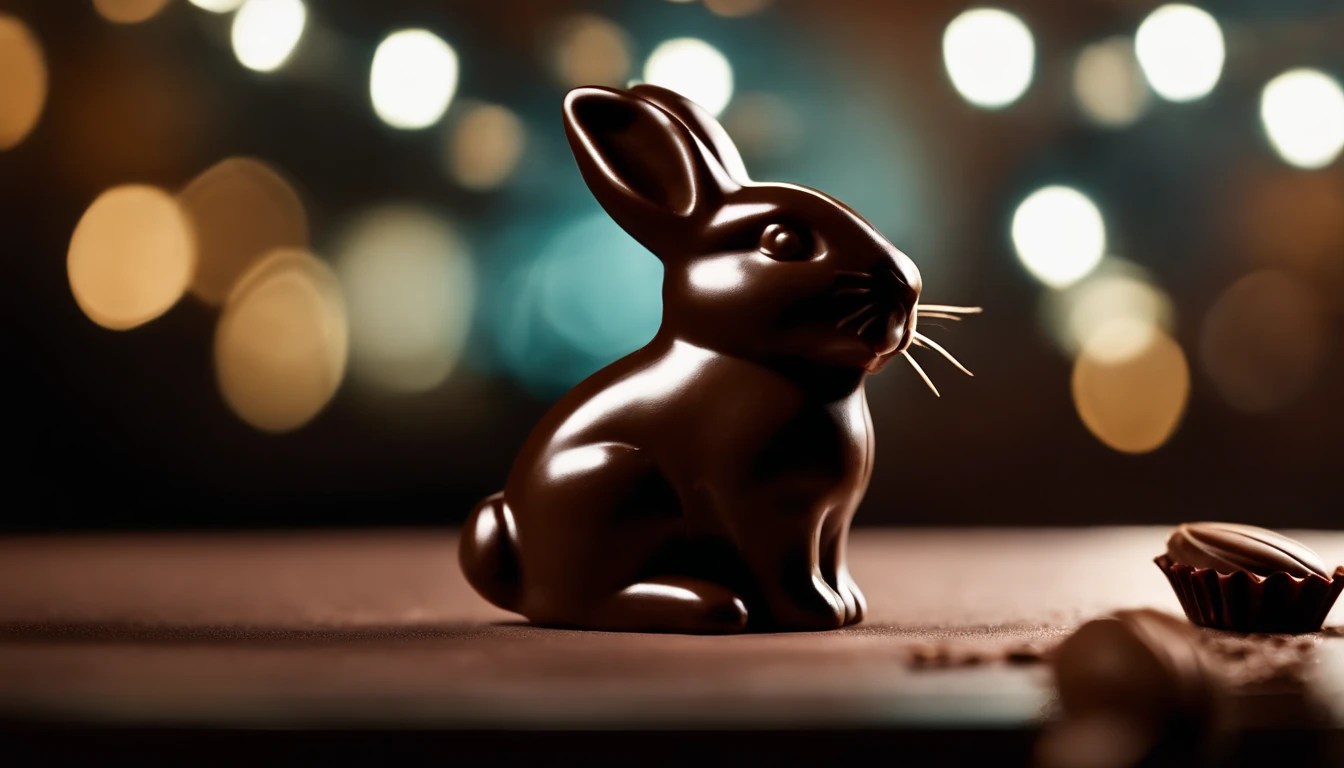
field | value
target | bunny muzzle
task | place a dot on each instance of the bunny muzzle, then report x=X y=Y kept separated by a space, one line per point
x=898 y=287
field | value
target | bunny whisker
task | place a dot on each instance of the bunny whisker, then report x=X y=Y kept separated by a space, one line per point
x=921 y=314
x=949 y=308
x=865 y=325
x=925 y=341
x=920 y=371
x=853 y=315
x=852 y=273
x=933 y=324
x=847 y=291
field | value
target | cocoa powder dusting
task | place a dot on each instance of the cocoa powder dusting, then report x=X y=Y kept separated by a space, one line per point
x=1239 y=659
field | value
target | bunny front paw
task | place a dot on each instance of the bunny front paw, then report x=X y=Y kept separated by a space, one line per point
x=856 y=605
x=807 y=605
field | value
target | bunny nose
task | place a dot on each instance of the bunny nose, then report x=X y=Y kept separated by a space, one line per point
x=896 y=333
x=902 y=286
x=907 y=332
x=905 y=273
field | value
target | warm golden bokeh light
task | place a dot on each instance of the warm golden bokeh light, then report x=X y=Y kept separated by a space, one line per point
x=1292 y=221
x=411 y=289
x=281 y=343
x=25 y=81
x=1118 y=293
x=241 y=210
x=129 y=11
x=1135 y=405
x=1109 y=84
x=592 y=50
x=1263 y=341
x=736 y=8
x=130 y=257
x=484 y=146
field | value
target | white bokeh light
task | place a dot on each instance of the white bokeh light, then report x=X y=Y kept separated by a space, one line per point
x=1108 y=83
x=1059 y=235
x=265 y=32
x=1117 y=310
x=990 y=56
x=1116 y=317
x=1180 y=48
x=693 y=68
x=413 y=79
x=410 y=286
x=1303 y=114
x=217 y=6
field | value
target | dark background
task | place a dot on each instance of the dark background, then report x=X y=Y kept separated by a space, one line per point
x=127 y=429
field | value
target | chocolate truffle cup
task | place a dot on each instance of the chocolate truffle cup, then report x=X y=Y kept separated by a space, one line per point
x=1242 y=601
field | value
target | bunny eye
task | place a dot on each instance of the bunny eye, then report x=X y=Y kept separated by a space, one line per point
x=780 y=242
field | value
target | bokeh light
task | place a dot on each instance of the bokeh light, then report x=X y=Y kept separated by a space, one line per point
x=265 y=32
x=25 y=90
x=484 y=146
x=1119 y=294
x=1263 y=341
x=763 y=126
x=734 y=9
x=281 y=342
x=592 y=295
x=413 y=79
x=1180 y=48
x=693 y=68
x=241 y=210
x=1059 y=235
x=990 y=56
x=1292 y=221
x=1109 y=84
x=130 y=257
x=1303 y=114
x=218 y=6
x=129 y=11
x=410 y=288
x=604 y=300
x=1136 y=404
x=592 y=50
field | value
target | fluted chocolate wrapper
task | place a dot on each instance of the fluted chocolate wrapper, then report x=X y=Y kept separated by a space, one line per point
x=1246 y=602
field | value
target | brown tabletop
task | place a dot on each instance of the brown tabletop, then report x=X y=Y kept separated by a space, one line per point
x=376 y=629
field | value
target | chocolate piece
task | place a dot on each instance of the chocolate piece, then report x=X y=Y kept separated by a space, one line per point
x=1228 y=548
x=1248 y=579
x=706 y=482
x=1132 y=686
x=1139 y=664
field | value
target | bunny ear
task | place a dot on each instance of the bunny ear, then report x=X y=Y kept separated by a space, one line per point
x=642 y=164
x=700 y=123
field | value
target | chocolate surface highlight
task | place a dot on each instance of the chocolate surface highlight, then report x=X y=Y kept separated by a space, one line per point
x=1228 y=548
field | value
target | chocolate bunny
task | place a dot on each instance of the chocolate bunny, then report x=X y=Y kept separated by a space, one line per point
x=706 y=482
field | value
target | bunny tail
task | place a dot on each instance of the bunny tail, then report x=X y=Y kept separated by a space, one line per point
x=487 y=554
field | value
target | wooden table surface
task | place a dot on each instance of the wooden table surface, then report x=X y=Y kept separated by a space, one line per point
x=377 y=629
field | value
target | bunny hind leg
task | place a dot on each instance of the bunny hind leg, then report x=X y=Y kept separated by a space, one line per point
x=675 y=604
